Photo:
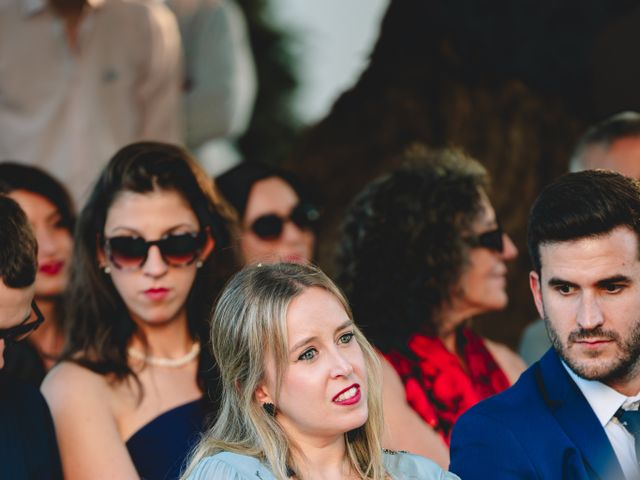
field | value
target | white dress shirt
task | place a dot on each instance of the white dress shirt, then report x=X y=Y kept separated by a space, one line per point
x=605 y=402
x=68 y=110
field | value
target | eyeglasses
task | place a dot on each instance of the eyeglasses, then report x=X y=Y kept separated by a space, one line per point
x=269 y=227
x=20 y=332
x=177 y=250
x=492 y=240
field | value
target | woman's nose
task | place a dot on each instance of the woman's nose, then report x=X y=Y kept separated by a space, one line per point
x=509 y=250
x=341 y=367
x=46 y=241
x=154 y=265
x=291 y=233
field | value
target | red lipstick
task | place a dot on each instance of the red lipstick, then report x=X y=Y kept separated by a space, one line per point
x=156 y=293
x=51 y=268
x=349 y=396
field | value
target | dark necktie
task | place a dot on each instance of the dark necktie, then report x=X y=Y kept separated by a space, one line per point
x=630 y=419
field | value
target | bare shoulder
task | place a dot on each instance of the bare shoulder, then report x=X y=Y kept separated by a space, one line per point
x=404 y=428
x=72 y=390
x=67 y=379
x=509 y=361
x=82 y=405
x=390 y=377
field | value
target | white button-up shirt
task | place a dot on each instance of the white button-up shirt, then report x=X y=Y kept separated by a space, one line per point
x=605 y=402
x=68 y=111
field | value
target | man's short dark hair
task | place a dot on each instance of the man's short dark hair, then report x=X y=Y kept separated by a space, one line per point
x=581 y=205
x=604 y=134
x=18 y=246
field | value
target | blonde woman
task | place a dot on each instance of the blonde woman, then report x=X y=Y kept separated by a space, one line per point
x=301 y=391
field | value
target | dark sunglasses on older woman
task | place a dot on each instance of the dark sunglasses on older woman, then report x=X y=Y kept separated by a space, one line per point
x=492 y=240
x=177 y=249
x=20 y=332
x=270 y=226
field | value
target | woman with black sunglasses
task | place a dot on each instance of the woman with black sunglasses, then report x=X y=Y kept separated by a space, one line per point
x=422 y=253
x=137 y=381
x=278 y=221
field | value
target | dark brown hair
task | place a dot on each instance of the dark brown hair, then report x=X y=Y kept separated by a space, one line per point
x=581 y=205
x=16 y=176
x=99 y=326
x=18 y=247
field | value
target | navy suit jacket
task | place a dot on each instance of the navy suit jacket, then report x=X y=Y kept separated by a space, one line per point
x=540 y=428
x=28 y=448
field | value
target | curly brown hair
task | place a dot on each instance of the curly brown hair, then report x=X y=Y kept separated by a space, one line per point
x=403 y=247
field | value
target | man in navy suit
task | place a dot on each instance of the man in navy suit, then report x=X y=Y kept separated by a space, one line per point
x=573 y=414
x=28 y=448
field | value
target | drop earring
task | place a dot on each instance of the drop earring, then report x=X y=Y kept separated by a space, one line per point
x=270 y=408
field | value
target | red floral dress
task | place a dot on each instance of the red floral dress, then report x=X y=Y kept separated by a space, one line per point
x=439 y=387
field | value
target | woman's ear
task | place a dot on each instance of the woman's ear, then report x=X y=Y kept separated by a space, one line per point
x=209 y=244
x=101 y=257
x=262 y=395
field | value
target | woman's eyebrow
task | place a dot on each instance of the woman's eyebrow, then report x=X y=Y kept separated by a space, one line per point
x=297 y=345
x=136 y=232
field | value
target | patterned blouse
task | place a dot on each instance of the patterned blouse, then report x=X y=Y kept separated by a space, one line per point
x=439 y=386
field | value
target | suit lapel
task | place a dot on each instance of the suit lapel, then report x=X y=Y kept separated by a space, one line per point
x=575 y=416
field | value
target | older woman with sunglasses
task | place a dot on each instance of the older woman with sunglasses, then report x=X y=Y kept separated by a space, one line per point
x=278 y=221
x=422 y=253
x=131 y=395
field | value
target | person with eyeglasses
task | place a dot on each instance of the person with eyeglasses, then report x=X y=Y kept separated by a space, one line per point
x=423 y=252
x=278 y=220
x=28 y=448
x=50 y=211
x=136 y=382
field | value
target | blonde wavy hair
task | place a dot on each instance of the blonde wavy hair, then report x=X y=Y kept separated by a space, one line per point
x=249 y=320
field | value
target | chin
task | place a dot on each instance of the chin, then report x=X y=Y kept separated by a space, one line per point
x=498 y=301
x=48 y=291
x=359 y=419
x=156 y=318
x=593 y=369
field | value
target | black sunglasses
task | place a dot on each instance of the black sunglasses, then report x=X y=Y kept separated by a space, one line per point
x=177 y=250
x=269 y=227
x=20 y=332
x=492 y=240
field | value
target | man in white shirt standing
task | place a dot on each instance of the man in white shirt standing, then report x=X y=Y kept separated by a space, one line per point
x=81 y=78
x=573 y=414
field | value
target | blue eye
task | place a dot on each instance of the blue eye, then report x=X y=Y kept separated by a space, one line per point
x=346 y=338
x=308 y=354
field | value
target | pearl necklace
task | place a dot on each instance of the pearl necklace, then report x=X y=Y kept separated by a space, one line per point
x=165 y=362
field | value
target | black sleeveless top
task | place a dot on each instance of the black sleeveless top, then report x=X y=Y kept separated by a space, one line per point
x=159 y=449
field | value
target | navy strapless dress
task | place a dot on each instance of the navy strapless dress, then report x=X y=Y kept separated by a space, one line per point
x=159 y=449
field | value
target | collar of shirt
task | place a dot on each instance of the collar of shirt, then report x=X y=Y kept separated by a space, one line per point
x=604 y=400
x=31 y=7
